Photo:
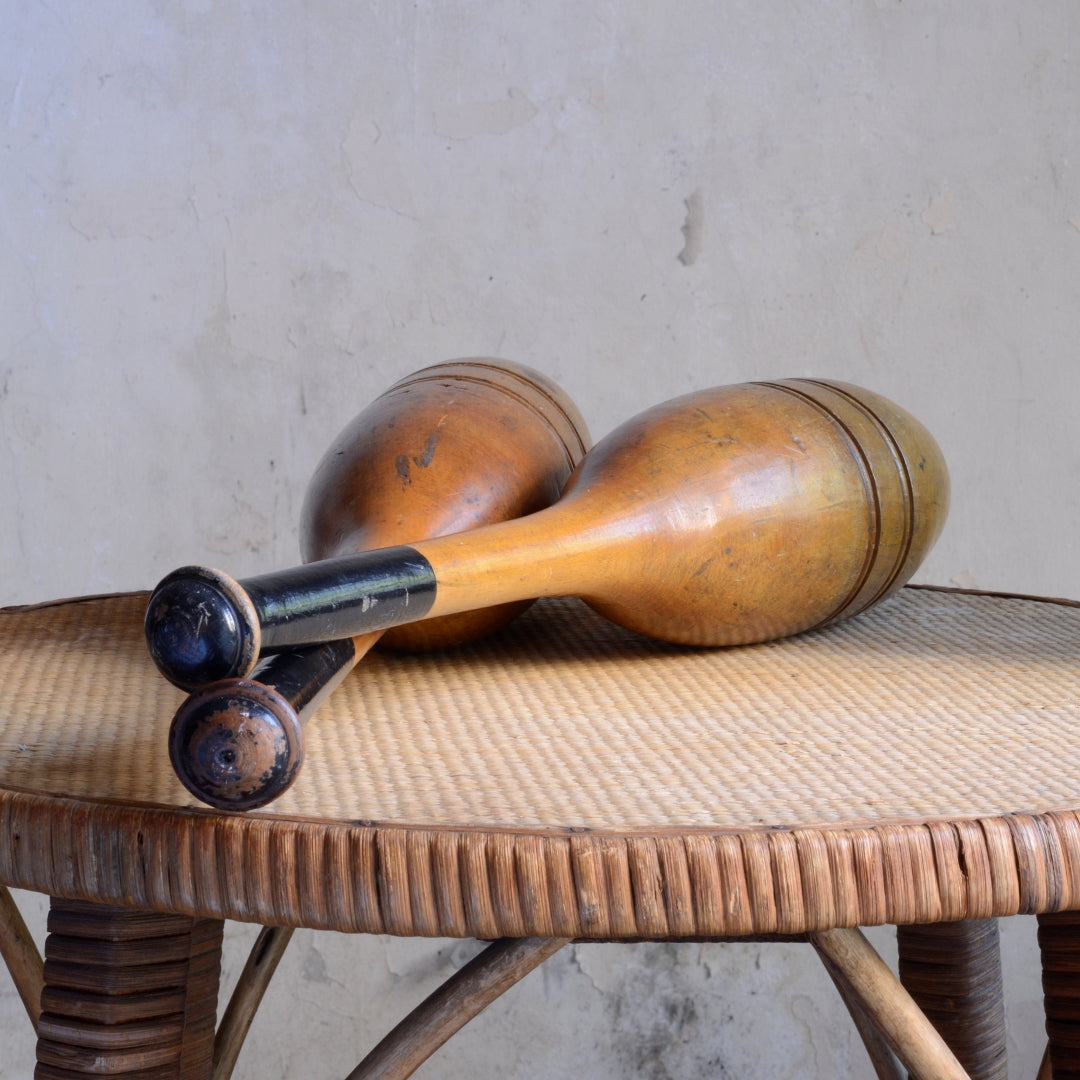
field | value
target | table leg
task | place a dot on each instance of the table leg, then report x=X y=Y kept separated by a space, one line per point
x=453 y=1005
x=850 y=958
x=21 y=955
x=953 y=972
x=128 y=994
x=1059 y=947
x=261 y=964
x=886 y=1066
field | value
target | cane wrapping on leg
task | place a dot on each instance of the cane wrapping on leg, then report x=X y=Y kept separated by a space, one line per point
x=953 y=972
x=1059 y=947
x=127 y=991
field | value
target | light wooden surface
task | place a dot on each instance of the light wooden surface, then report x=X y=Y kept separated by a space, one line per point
x=915 y=764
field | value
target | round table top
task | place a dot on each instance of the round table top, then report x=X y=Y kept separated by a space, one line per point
x=568 y=778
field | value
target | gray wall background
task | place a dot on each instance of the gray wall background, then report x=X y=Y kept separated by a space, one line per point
x=224 y=228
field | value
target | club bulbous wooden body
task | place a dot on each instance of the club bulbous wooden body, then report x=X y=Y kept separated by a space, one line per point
x=726 y=516
x=451 y=447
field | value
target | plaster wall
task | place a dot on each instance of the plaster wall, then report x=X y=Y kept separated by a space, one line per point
x=224 y=228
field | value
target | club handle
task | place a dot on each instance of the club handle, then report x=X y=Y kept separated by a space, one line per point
x=202 y=625
x=238 y=744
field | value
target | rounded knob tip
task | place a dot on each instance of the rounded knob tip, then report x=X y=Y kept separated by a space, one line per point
x=236 y=745
x=201 y=627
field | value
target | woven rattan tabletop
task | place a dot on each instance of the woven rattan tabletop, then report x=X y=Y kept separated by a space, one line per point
x=568 y=778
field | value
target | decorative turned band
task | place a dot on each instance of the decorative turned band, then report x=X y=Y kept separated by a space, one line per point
x=877 y=434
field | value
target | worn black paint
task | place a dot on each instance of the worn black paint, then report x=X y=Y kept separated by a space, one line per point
x=206 y=755
x=301 y=676
x=270 y=708
x=198 y=633
x=338 y=598
x=195 y=633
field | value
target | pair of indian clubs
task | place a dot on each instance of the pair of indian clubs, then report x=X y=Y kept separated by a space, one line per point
x=726 y=516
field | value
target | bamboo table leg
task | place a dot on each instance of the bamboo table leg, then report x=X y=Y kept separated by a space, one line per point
x=1046 y=1070
x=21 y=955
x=128 y=993
x=261 y=964
x=1059 y=946
x=886 y=1067
x=453 y=1005
x=953 y=972
x=850 y=958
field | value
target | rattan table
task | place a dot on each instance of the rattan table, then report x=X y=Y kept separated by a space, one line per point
x=918 y=765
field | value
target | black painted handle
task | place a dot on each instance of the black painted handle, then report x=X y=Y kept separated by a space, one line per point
x=202 y=626
x=239 y=743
